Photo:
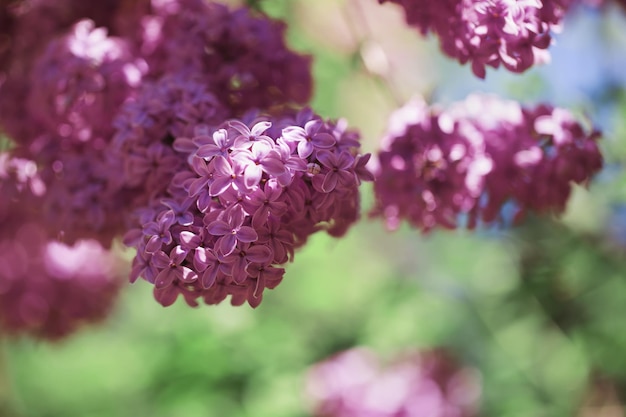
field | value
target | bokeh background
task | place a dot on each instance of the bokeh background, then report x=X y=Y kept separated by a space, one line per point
x=537 y=311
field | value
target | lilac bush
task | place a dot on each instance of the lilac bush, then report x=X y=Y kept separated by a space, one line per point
x=179 y=124
x=184 y=128
x=462 y=165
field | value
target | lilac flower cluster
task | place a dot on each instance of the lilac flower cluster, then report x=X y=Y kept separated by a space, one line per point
x=73 y=85
x=355 y=383
x=26 y=28
x=145 y=129
x=514 y=34
x=49 y=289
x=242 y=57
x=72 y=78
x=439 y=168
x=78 y=78
x=251 y=194
x=142 y=118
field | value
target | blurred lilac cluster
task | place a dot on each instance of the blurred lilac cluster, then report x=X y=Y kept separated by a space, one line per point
x=49 y=289
x=511 y=33
x=438 y=168
x=355 y=383
x=182 y=124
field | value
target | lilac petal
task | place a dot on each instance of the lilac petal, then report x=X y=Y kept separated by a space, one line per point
x=239 y=295
x=222 y=167
x=273 y=191
x=240 y=127
x=151 y=229
x=294 y=133
x=273 y=166
x=238 y=268
x=200 y=167
x=204 y=202
x=189 y=240
x=324 y=140
x=209 y=277
x=178 y=255
x=312 y=127
x=260 y=254
x=219 y=228
x=330 y=182
x=208 y=151
x=166 y=296
x=285 y=179
x=346 y=178
x=220 y=138
x=259 y=218
x=256 y=298
x=273 y=276
x=154 y=244
x=247 y=234
x=344 y=161
x=305 y=149
x=201 y=259
x=253 y=175
x=167 y=218
x=197 y=186
x=219 y=186
x=242 y=142
x=160 y=259
x=187 y=275
x=237 y=216
x=227 y=244
x=165 y=278
x=296 y=164
x=280 y=253
x=326 y=158
x=259 y=128
x=186 y=219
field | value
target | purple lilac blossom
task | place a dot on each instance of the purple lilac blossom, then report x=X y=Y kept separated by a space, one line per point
x=214 y=213
x=76 y=86
x=356 y=383
x=79 y=81
x=250 y=201
x=49 y=290
x=243 y=55
x=514 y=34
x=21 y=187
x=26 y=27
x=146 y=126
x=437 y=166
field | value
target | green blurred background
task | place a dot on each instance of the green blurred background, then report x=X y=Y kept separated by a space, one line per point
x=538 y=310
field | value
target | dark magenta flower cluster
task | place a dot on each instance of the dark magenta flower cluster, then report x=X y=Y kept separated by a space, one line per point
x=49 y=289
x=250 y=195
x=175 y=123
x=462 y=165
x=183 y=126
x=357 y=383
x=511 y=33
